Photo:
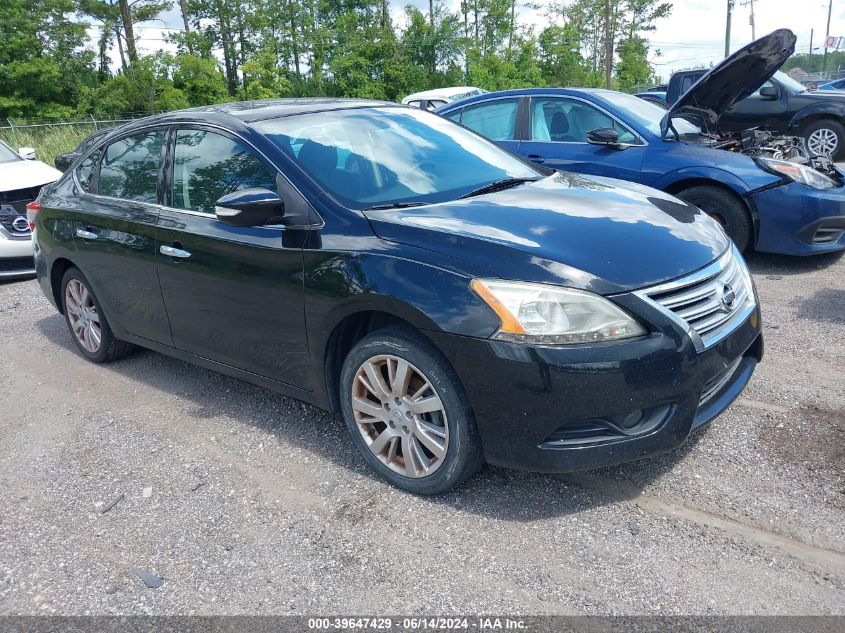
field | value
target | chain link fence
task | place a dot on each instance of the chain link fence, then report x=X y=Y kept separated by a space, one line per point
x=52 y=138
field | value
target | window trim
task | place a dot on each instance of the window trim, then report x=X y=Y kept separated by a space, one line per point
x=530 y=114
x=315 y=220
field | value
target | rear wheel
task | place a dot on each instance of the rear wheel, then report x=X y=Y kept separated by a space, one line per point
x=724 y=207
x=407 y=413
x=87 y=323
x=825 y=137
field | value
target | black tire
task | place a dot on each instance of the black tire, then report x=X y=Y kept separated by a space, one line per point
x=110 y=348
x=463 y=456
x=819 y=126
x=724 y=207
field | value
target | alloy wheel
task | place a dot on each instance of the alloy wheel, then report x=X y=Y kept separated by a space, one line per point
x=82 y=315
x=823 y=142
x=400 y=416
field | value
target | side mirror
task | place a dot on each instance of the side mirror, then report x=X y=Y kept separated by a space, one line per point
x=63 y=161
x=250 y=207
x=27 y=152
x=769 y=92
x=603 y=136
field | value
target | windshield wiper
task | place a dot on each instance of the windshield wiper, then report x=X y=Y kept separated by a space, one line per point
x=505 y=183
x=393 y=205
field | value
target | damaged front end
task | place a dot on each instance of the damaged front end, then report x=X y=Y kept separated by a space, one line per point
x=763 y=144
x=781 y=155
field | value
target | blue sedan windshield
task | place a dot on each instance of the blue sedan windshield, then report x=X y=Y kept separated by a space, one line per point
x=392 y=155
x=648 y=115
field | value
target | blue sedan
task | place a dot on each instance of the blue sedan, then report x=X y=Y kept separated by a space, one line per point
x=762 y=201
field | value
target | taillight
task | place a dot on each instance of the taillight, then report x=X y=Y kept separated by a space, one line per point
x=31 y=209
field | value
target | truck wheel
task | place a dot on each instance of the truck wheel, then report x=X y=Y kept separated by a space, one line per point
x=724 y=207
x=825 y=137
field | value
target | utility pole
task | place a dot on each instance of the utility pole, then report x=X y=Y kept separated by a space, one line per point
x=728 y=28
x=751 y=19
x=810 y=56
x=827 y=35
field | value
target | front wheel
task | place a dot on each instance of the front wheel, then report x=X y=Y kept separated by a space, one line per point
x=407 y=413
x=825 y=137
x=724 y=207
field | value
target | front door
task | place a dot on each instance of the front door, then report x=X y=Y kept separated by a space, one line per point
x=558 y=129
x=234 y=294
x=757 y=111
x=114 y=232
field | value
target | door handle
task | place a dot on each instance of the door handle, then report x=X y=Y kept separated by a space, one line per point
x=536 y=158
x=86 y=233
x=172 y=251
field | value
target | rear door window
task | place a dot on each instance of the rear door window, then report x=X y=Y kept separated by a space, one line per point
x=130 y=167
x=494 y=119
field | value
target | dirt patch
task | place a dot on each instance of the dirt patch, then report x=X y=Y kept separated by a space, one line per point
x=812 y=437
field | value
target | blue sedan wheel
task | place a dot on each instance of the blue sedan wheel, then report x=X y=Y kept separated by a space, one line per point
x=724 y=207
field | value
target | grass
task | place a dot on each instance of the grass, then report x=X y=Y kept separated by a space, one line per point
x=49 y=141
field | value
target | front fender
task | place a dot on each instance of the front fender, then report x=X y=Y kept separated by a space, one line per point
x=721 y=176
x=832 y=109
x=427 y=296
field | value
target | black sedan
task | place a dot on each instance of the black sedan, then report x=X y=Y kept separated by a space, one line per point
x=454 y=302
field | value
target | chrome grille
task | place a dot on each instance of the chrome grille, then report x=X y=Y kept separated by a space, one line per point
x=711 y=302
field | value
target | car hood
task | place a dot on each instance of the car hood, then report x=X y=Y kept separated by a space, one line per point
x=738 y=76
x=592 y=233
x=25 y=174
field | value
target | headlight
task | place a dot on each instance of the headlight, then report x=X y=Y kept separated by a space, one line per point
x=550 y=315
x=799 y=173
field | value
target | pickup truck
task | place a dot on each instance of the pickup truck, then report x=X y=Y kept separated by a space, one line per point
x=782 y=105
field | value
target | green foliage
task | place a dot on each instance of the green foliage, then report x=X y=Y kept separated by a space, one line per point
x=43 y=64
x=633 y=68
x=49 y=141
x=51 y=68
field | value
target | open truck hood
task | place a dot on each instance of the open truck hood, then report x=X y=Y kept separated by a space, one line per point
x=737 y=77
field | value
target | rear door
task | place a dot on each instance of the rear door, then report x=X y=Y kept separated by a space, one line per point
x=557 y=138
x=114 y=232
x=497 y=119
x=234 y=294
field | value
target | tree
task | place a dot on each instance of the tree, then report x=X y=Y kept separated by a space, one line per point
x=43 y=66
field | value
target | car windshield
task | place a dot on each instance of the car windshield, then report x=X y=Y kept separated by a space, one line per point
x=647 y=114
x=7 y=154
x=792 y=85
x=392 y=155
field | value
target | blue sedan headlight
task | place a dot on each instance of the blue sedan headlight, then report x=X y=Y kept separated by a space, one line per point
x=799 y=173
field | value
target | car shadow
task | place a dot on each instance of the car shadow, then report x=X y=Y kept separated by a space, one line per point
x=494 y=492
x=769 y=264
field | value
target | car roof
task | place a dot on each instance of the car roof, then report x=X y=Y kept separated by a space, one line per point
x=444 y=93
x=526 y=92
x=242 y=113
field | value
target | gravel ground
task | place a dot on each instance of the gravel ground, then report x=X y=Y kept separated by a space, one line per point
x=246 y=502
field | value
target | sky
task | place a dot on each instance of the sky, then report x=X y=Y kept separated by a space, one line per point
x=693 y=35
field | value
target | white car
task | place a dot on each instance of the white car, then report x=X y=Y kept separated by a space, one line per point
x=21 y=179
x=433 y=99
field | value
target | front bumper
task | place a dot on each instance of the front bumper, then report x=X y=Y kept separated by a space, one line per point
x=15 y=258
x=542 y=408
x=797 y=220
